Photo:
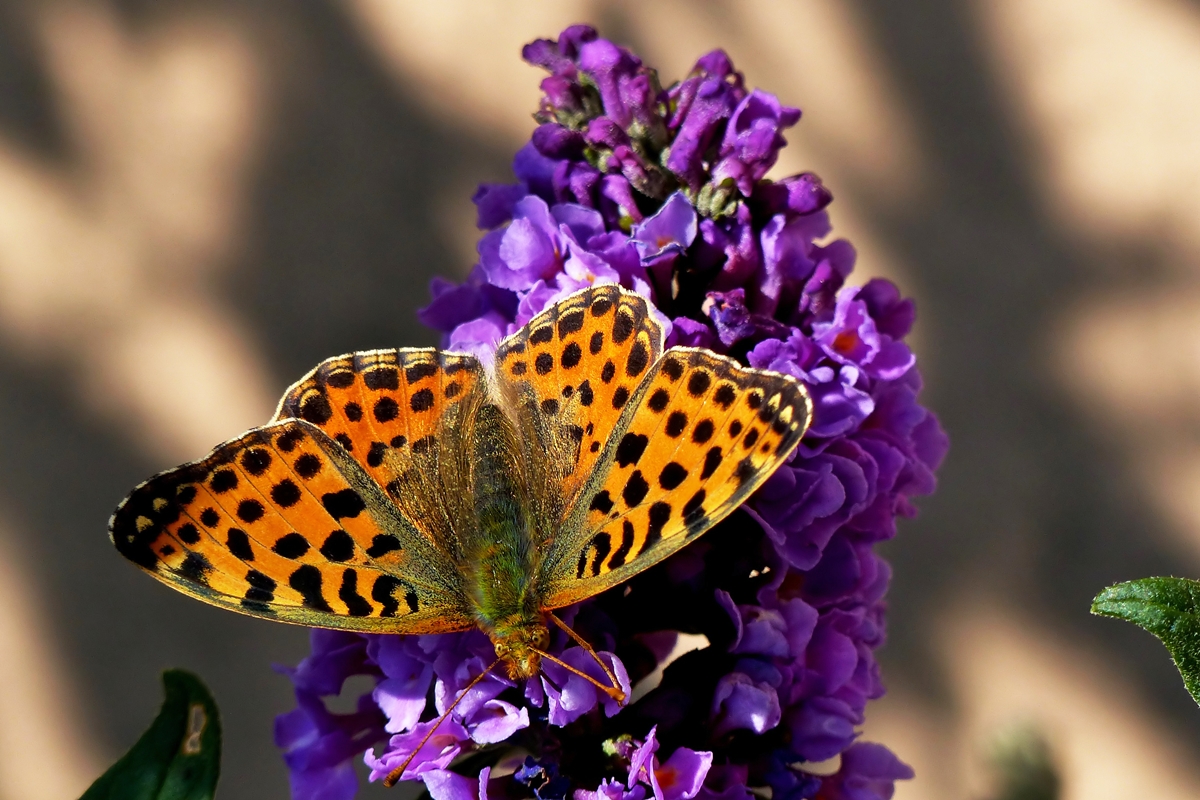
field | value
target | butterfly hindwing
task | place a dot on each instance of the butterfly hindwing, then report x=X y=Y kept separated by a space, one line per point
x=402 y=416
x=281 y=523
x=705 y=434
x=568 y=376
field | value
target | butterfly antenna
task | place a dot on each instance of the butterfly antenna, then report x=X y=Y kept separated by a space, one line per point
x=395 y=774
x=614 y=690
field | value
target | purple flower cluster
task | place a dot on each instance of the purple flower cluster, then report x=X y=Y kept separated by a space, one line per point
x=663 y=191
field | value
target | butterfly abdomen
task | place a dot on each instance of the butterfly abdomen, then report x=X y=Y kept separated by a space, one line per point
x=500 y=557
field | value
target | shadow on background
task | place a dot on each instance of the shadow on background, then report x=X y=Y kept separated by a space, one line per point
x=1030 y=509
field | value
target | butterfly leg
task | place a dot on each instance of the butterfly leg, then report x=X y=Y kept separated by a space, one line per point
x=395 y=774
x=613 y=690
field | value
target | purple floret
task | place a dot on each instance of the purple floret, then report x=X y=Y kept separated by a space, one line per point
x=663 y=191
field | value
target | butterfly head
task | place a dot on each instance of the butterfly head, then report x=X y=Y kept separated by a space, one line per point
x=517 y=646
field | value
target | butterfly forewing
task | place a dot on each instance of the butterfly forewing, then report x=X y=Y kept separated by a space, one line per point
x=705 y=434
x=568 y=376
x=402 y=416
x=282 y=524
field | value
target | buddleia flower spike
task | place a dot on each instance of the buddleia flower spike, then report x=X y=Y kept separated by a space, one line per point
x=659 y=417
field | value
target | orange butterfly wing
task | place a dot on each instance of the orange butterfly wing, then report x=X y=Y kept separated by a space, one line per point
x=281 y=523
x=567 y=377
x=705 y=433
x=340 y=514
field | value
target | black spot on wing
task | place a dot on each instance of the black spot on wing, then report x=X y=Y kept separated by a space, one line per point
x=602 y=502
x=223 y=480
x=659 y=515
x=672 y=475
x=308 y=465
x=188 y=533
x=569 y=323
x=239 y=544
x=571 y=356
x=382 y=378
x=343 y=504
x=622 y=552
x=307 y=581
x=316 y=409
x=421 y=400
x=419 y=372
x=386 y=409
x=382 y=544
x=676 y=423
x=288 y=440
x=250 y=511
x=693 y=509
x=383 y=591
x=262 y=589
x=601 y=544
x=725 y=395
x=356 y=604
x=639 y=357
x=375 y=454
x=195 y=568
x=712 y=460
x=291 y=545
x=631 y=448
x=256 y=460
x=635 y=489
x=286 y=493
x=338 y=546
x=698 y=383
x=672 y=368
x=622 y=327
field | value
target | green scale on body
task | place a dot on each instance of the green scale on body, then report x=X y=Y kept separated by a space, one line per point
x=502 y=561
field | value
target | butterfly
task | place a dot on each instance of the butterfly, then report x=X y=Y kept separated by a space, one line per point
x=418 y=491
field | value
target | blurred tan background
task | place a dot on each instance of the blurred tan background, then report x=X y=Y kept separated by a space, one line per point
x=200 y=200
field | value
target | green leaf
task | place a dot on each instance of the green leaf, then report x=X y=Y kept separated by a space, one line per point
x=1167 y=607
x=178 y=758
